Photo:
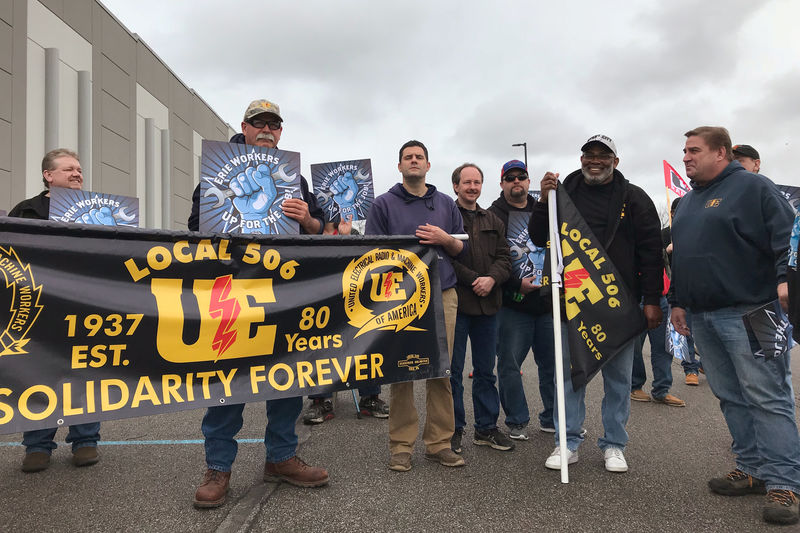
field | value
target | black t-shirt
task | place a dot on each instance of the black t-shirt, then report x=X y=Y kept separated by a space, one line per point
x=592 y=202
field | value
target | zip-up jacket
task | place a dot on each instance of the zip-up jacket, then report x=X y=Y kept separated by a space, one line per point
x=488 y=256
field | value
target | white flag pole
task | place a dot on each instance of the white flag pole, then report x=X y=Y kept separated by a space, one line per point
x=556 y=267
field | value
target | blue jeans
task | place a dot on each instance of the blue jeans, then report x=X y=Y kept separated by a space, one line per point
x=80 y=435
x=660 y=358
x=755 y=395
x=221 y=424
x=616 y=405
x=691 y=365
x=518 y=333
x=482 y=332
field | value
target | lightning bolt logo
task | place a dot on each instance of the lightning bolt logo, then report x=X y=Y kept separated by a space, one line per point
x=574 y=278
x=225 y=308
x=387 y=285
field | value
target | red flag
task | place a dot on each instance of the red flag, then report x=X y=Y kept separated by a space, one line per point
x=674 y=181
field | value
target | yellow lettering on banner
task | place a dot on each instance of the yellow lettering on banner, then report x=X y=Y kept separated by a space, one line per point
x=52 y=400
x=135 y=272
x=256 y=376
x=68 y=409
x=226 y=380
x=304 y=371
x=323 y=370
x=150 y=395
x=190 y=387
x=205 y=250
x=377 y=362
x=343 y=376
x=159 y=258
x=79 y=356
x=251 y=253
x=180 y=255
x=224 y=255
x=361 y=367
x=7 y=410
x=90 y=407
x=169 y=388
x=105 y=398
x=289 y=374
x=205 y=376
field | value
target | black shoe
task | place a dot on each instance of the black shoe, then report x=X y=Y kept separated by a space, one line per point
x=319 y=411
x=455 y=440
x=737 y=483
x=494 y=438
x=781 y=507
x=373 y=406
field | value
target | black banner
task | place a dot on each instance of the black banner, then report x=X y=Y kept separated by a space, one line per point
x=103 y=323
x=603 y=315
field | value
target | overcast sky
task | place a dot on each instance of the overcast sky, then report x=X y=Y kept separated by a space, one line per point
x=356 y=79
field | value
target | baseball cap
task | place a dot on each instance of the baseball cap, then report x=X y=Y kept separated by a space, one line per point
x=746 y=150
x=602 y=139
x=514 y=163
x=257 y=107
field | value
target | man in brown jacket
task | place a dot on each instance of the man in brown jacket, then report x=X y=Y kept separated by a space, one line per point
x=480 y=277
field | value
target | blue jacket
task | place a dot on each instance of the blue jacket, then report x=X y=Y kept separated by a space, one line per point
x=730 y=239
x=398 y=212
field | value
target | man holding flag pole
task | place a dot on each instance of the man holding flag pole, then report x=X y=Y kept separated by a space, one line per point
x=608 y=235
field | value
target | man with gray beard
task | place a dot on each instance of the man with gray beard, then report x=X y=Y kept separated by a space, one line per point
x=623 y=218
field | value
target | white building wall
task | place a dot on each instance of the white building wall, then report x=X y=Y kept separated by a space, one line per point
x=148 y=106
x=46 y=30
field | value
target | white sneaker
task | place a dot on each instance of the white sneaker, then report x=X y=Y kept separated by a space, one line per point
x=554 y=461
x=615 y=460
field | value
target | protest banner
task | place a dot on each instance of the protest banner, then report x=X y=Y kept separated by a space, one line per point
x=792 y=195
x=242 y=188
x=602 y=313
x=87 y=207
x=673 y=181
x=101 y=323
x=344 y=189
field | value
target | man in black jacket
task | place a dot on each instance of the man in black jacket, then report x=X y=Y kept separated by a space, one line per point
x=525 y=320
x=262 y=126
x=624 y=219
x=480 y=276
x=60 y=168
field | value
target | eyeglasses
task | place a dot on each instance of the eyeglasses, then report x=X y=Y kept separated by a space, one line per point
x=598 y=157
x=259 y=123
x=512 y=178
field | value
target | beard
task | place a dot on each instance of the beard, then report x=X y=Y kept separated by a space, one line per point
x=599 y=179
x=518 y=192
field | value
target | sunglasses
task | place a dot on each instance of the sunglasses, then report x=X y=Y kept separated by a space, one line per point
x=511 y=179
x=259 y=123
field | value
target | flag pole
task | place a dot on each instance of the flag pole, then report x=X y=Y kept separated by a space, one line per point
x=555 y=285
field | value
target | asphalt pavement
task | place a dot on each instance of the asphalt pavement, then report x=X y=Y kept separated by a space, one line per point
x=150 y=468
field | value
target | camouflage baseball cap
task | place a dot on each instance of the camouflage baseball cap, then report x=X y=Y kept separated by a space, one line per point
x=257 y=107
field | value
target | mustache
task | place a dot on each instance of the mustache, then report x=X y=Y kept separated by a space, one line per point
x=265 y=137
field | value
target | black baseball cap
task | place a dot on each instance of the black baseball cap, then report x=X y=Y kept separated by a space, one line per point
x=746 y=150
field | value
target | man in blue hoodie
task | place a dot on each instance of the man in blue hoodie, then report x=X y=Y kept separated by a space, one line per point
x=414 y=207
x=730 y=238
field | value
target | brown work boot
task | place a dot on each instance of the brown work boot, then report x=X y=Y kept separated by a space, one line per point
x=35 y=462
x=446 y=457
x=669 y=399
x=296 y=472
x=213 y=490
x=692 y=380
x=639 y=395
x=85 y=456
x=400 y=462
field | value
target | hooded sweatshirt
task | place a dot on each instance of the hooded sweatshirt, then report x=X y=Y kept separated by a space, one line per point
x=398 y=212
